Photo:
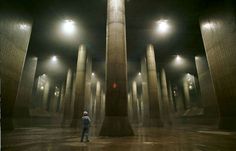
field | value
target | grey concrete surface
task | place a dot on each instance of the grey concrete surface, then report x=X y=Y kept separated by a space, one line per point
x=151 y=139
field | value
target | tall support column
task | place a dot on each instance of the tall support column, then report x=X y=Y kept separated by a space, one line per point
x=135 y=103
x=165 y=98
x=116 y=121
x=24 y=96
x=130 y=108
x=171 y=98
x=79 y=87
x=46 y=95
x=98 y=102
x=87 y=96
x=145 y=96
x=208 y=95
x=67 y=99
x=54 y=100
x=218 y=29
x=62 y=96
x=102 y=105
x=154 y=107
x=186 y=92
x=14 y=39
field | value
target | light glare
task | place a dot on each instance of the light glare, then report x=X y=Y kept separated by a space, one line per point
x=178 y=60
x=163 y=26
x=54 y=59
x=68 y=27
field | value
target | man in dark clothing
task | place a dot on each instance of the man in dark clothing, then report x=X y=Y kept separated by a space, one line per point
x=86 y=123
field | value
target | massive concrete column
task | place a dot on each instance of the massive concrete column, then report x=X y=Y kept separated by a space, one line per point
x=73 y=95
x=208 y=96
x=218 y=29
x=116 y=121
x=54 y=100
x=102 y=105
x=154 y=107
x=67 y=99
x=171 y=98
x=155 y=118
x=79 y=87
x=46 y=94
x=130 y=107
x=24 y=96
x=165 y=99
x=135 y=103
x=15 y=31
x=87 y=96
x=62 y=98
x=145 y=96
x=186 y=92
x=98 y=102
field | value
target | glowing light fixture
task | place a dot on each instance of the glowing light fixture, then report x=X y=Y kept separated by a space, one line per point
x=139 y=73
x=190 y=87
x=178 y=60
x=41 y=88
x=68 y=27
x=162 y=26
x=54 y=59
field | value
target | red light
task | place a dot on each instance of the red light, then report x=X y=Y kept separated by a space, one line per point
x=114 y=85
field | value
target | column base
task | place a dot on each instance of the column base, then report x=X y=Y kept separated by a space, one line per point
x=75 y=123
x=116 y=126
x=7 y=124
x=153 y=123
x=227 y=123
x=22 y=122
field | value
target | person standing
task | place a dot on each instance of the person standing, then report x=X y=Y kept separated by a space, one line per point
x=85 y=126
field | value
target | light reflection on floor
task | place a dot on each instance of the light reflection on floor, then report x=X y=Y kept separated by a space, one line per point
x=146 y=139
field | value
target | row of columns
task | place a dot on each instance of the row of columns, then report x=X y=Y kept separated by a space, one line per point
x=159 y=102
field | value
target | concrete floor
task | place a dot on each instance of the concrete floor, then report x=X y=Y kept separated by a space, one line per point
x=146 y=139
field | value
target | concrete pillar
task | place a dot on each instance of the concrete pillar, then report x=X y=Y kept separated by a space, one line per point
x=165 y=99
x=15 y=31
x=67 y=99
x=171 y=98
x=135 y=103
x=145 y=96
x=98 y=102
x=46 y=94
x=130 y=107
x=186 y=92
x=87 y=96
x=116 y=121
x=102 y=105
x=54 y=100
x=218 y=28
x=24 y=96
x=73 y=94
x=93 y=98
x=208 y=95
x=154 y=108
x=62 y=98
x=79 y=86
